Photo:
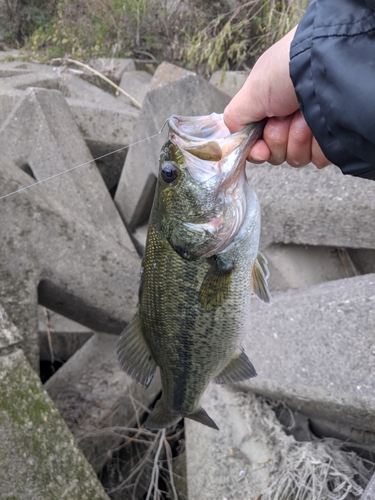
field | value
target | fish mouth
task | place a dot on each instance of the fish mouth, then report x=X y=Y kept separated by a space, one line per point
x=207 y=138
x=215 y=159
x=196 y=128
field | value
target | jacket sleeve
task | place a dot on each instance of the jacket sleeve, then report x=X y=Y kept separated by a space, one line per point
x=332 y=66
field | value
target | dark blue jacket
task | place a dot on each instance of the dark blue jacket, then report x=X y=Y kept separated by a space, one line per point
x=332 y=66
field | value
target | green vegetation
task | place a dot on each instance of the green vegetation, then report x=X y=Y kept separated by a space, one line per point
x=199 y=34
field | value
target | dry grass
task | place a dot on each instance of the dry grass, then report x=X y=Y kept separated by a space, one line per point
x=200 y=35
x=140 y=465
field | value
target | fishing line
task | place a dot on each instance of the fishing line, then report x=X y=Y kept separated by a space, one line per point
x=82 y=164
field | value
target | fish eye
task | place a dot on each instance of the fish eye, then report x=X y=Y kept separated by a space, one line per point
x=169 y=171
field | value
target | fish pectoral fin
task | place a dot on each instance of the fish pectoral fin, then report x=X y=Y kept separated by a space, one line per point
x=259 y=278
x=239 y=368
x=210 y=151
x=134 y=355
x=215 y=286
x=202 y=417
x=162 y=416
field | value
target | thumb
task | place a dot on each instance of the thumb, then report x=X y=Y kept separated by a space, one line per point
x=267 y=92
x=245 y=107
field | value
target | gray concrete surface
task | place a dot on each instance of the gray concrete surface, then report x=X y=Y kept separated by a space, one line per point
x=173 y=90
x=40 y=76
x=308 y=206
x=66 y=336
x=251 y=457
x=112 y=67
x=100 y=116
x=369 y=493
x=92 y=393
x=82 y=272
x=9 y=334
x=135 y=83
x=40 y=134
x=313 y=348
x=229 y=82
x=294 y=266
x=8 y=99
x=39 y=457
x=232 y=463
x=19 y=294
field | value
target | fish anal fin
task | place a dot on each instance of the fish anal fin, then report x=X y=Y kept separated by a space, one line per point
x=202 y=417
x=239 y=368
x=134 y=355
x=259 y=277
x=216 y=284
x=162 y=416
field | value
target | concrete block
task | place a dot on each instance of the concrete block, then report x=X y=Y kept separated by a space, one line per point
x=92 y=392
x=229 y=82
x=313 y=348
x=113 y=67
x=173 y=90
x=6 y=53
x=52 y=146
x=308 y=206
x=135 y=83
x=230 y=463
x=139 y=238
x=39 y=457
x=369 y=493
x=19 y=279
x=16 y=68
x=8 y=99
x=9 y=334
x=106 y=123
x=294 y=266
x=46 y=78
x=251 y=457
x=77 y=267
x=66 y=336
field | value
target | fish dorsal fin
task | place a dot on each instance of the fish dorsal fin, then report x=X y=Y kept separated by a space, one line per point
x=134 y=355
x=215 y=286
x=259 y=278
x=210 y=151
x=202 y=417
x=239 y=368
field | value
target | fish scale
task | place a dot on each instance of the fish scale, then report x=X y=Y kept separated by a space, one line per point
x=194 y=304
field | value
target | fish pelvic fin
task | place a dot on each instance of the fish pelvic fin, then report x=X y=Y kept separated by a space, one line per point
x=260 y=274
x=238 y=369
x=215 y=286
x=202 y=417
x=162 y=416
x=134 y=355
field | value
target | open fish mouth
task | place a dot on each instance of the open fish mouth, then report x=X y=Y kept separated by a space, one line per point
x=215 y=160
x=196 y=128
x=207 y=138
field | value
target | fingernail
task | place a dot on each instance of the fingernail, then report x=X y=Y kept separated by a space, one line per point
x=258 y=158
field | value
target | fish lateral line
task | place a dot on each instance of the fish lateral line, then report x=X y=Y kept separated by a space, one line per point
x=58 y=174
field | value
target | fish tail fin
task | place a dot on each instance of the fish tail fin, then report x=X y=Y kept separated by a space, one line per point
x=202 y=417
x=162 y=416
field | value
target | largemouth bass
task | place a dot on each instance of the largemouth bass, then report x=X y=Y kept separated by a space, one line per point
x=200 y=267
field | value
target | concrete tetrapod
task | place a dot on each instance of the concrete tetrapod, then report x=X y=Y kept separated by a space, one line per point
x=82 y=272
x=39 y=457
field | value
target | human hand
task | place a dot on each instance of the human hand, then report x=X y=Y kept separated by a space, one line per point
x=269 y=92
